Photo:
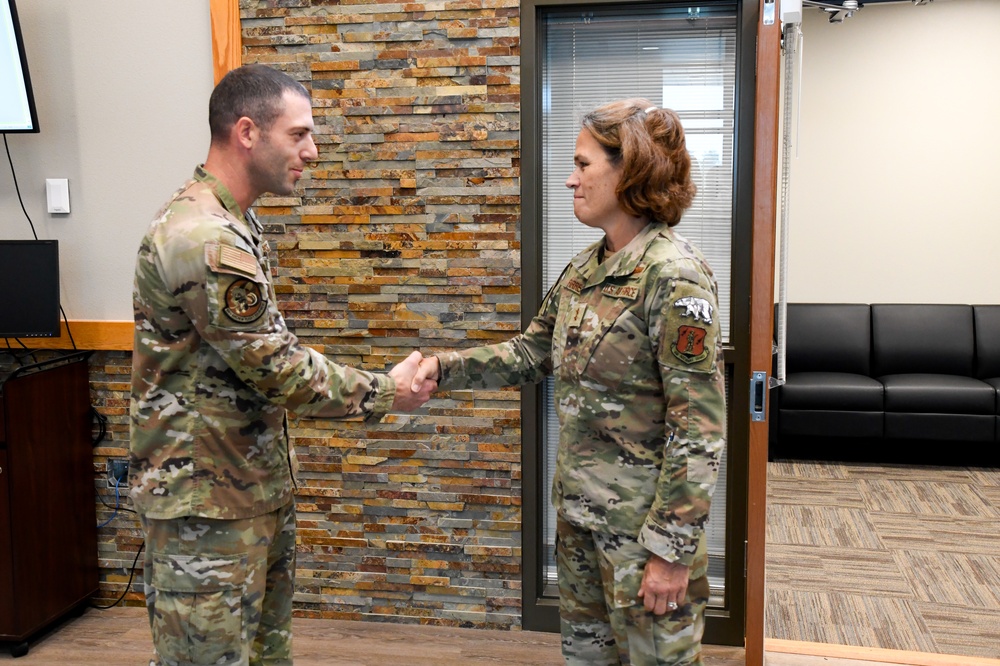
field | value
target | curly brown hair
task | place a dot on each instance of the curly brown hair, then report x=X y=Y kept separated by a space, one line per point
x=647 y=142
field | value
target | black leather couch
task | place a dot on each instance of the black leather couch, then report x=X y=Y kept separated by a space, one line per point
x=889 y=382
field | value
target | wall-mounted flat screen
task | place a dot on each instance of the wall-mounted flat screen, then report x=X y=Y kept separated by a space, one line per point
x=17 y=104
x=29 y=288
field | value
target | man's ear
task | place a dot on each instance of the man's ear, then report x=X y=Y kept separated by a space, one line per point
x=246 y=131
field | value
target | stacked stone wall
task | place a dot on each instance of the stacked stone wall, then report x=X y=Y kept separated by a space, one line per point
x=404 y=235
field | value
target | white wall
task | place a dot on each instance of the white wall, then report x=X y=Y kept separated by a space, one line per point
x=122 y=93
x=894 y=189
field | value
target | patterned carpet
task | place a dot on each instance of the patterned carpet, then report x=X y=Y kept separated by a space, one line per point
x=895 y=557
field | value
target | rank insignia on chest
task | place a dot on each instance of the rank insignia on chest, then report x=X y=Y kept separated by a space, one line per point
x=576 y=316
x=244 y=301
x=626 y=291
x=690 y=344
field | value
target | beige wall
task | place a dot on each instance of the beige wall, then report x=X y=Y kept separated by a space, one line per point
x=121 y=89
x=891 y=190
x=894 y=188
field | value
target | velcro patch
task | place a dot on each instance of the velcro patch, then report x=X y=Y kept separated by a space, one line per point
x=239 y=260
x=689 y=346
x=690 y=333
x=575 y=285
x=630 y=292
x=245 y=302
x=576 y=317
x=698 y=309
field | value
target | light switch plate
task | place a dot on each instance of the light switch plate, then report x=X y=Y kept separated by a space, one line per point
x=57 y=194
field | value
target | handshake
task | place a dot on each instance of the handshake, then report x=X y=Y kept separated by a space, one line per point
x=416 y=379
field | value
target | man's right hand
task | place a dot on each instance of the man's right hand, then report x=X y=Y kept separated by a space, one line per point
x=429 y=371
x=407 y=397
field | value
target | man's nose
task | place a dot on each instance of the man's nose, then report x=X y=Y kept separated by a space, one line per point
x=311 y=153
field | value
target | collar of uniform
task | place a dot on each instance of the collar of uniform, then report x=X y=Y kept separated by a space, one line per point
x=624 y=262
x=586 y=261
x=226 y=198
x=256 y=228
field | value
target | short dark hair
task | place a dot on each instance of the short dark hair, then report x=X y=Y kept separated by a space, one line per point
x=254 y=91
x=648 y=144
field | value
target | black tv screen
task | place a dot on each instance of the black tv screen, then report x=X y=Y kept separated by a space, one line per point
x=17 y=104
x=29 y=289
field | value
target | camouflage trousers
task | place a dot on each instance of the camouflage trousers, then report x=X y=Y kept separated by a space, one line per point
x=602 y=618
x=220 y=591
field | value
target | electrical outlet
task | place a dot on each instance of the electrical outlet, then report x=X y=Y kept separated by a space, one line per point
x=117 y=472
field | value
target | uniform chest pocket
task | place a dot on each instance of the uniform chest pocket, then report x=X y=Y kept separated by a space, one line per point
x=617 y=348
x=602 y=341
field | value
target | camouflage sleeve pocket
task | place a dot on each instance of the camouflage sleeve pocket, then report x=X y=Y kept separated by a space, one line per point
x=704 y=467
x=237 y=288
x=197 y=607
x=689 y=333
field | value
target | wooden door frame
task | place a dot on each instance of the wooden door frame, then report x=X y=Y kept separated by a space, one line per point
x=765 y=196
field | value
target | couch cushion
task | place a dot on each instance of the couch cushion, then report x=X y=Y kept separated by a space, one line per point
x=995 y=383
x=938 y=394
x=987 y=318
x=820 y=423
x=828 y=337
x=831 y=391
x=930 y=339
x=942 y=427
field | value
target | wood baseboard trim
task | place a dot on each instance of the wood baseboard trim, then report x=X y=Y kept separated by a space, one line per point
x=874 y=654
x=91 y=335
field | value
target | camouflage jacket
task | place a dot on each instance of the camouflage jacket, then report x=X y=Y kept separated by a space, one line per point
x=214 y=366
x=635 y=349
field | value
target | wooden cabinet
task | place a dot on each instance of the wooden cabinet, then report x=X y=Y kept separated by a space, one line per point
x=48 y=521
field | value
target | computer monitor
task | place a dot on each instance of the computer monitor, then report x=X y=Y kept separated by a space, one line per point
x=29 y=288
x=17 y=104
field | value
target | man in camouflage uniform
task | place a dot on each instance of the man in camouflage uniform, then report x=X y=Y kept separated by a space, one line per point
x=635 y=348
x=214 y=370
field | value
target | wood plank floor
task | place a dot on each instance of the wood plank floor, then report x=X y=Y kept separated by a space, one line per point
x=120 y=637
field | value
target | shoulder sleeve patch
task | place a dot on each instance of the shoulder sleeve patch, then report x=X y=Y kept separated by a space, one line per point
x=237 y=259
x=690 y=335
x=244 y=301
x=223 y=258
x=237 y=287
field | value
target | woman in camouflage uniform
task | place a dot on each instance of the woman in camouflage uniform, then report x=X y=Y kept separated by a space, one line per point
x=631 y=333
